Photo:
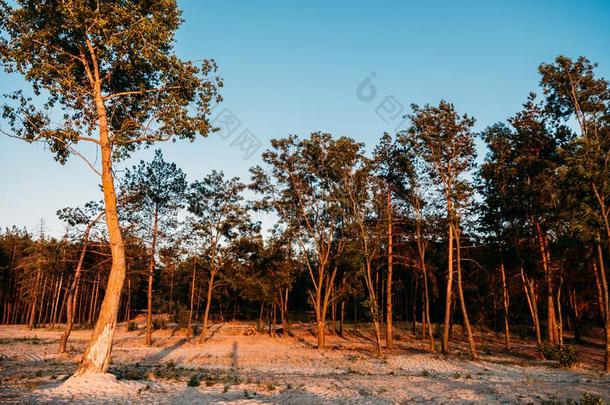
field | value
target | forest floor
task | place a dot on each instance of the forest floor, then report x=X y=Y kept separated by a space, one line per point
x=238 y=365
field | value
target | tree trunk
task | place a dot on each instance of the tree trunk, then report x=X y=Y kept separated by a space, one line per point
x=128 y=310
x=374 y=306
x=576 y=311
x=505 y=303
x=600 y=294
x=274 y=320
x=54 y=319
x=606 y=303
x=333 y=312
x=341 y=318
x=427 y=306
x=551 y=320
x=151 y=272
x=448 y=291
x=532 y=300
x=559 y=314
x=260 y=317
x=389 y=327
x=321 y=335
x=284 y=311
x=97 y=355
x=190 y=324
x=471 y=344
x=42 y=301
x=208 y=303
x=34 y=297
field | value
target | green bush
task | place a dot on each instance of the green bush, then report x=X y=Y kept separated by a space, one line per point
x=566 y=356
x=131 y=326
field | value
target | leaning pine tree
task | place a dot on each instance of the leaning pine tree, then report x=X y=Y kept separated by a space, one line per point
x=108 y=76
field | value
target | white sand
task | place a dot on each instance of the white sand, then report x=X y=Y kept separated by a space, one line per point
x=281 y=370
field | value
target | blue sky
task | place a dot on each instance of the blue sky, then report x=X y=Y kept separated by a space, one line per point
x=295 y=67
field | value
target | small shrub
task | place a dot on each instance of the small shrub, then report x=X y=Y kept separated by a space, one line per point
x=129 y=373
x=566 y=356
x=585 y=399
x=168 y=373
x=159 y=323
x=590 y=399
x=131 y=326
x=193 y=381
x=425 y=373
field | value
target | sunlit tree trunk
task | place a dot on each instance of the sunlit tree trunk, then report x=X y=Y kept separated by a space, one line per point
x=97 y=355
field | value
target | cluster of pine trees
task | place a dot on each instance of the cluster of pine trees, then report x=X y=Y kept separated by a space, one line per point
x=414 y=231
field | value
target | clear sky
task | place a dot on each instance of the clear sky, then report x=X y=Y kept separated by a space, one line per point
x=295 y=67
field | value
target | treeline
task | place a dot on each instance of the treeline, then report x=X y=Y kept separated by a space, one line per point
x=412 y=230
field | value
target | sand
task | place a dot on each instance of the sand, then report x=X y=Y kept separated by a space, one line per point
x=235 y=366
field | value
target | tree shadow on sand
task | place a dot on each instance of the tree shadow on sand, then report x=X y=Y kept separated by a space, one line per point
x=161 y=354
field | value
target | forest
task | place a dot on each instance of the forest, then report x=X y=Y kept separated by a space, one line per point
x=416 y=232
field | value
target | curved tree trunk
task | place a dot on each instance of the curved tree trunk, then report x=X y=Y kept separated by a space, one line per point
x=97 y=355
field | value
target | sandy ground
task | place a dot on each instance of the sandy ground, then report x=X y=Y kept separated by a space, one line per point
x=235 y=366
